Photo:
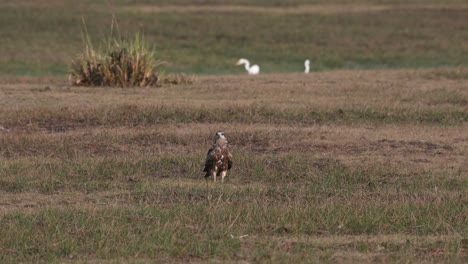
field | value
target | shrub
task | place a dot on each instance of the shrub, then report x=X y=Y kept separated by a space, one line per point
x=119 y=62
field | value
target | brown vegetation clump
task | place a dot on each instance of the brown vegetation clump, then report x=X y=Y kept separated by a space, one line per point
x=178 y=78
x=121 y=63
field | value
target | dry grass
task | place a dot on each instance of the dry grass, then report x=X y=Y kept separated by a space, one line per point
x=347 y=97
x=117 y=63
x=334 y=166
x=317 y=9
x=408 y=146
x=178 y=78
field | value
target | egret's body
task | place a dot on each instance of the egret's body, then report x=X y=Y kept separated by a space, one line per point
x=306 y=66
x=254 y=69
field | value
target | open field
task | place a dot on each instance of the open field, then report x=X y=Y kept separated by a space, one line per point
x=209 y=36
x=335 y=166
x=363 y=160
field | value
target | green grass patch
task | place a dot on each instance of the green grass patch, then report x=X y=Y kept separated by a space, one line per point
x=315 y=177
x=201 y=231
x=271 y=208
x=394 y=38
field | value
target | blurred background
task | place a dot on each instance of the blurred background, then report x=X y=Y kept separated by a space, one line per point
x=207 y=37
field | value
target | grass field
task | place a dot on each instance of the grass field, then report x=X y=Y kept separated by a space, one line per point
x=333 y=166
x=210 y=37
x=363 y=160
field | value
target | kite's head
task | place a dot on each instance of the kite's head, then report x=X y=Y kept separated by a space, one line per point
x=219 y=135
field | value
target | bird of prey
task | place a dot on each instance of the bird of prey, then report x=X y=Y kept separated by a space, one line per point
x=218 y=158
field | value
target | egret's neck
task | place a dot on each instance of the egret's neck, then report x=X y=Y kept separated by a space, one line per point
x=246 y=65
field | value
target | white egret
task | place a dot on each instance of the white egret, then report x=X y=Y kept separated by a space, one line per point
x=307 y=66
x=254 y=69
